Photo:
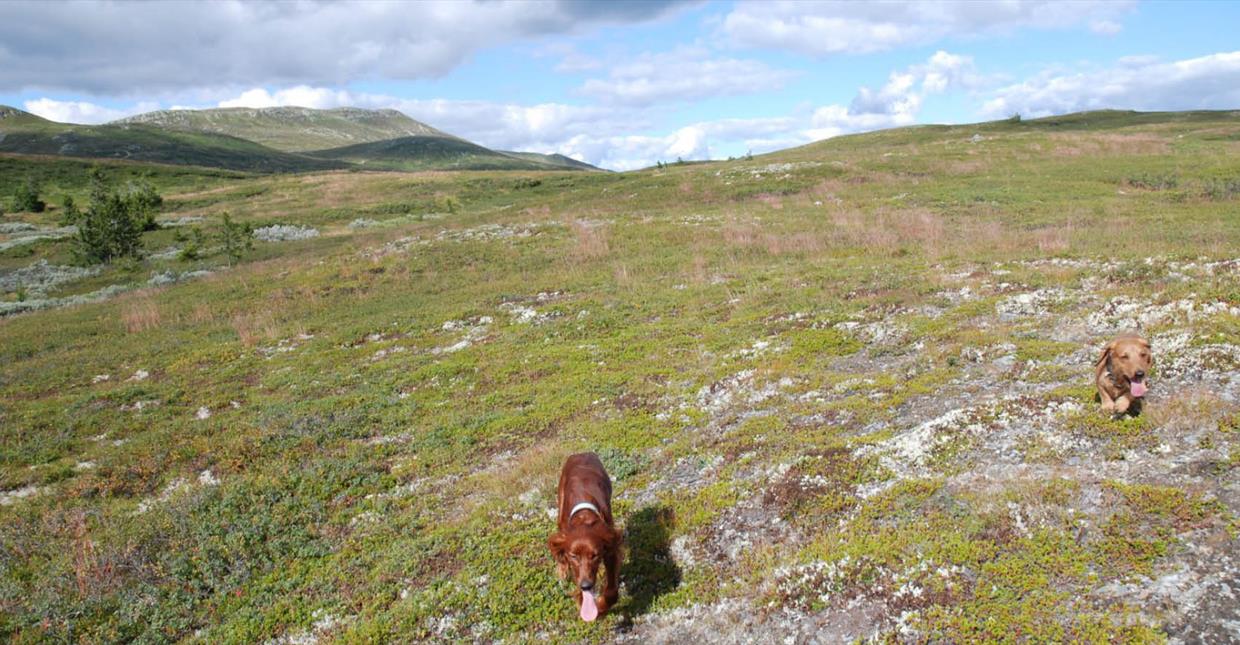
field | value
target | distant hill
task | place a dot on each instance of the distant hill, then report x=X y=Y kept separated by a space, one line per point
x=284 y=139
x=430 y=153
x=292 y=129
x=25 y=133
x=553 y=159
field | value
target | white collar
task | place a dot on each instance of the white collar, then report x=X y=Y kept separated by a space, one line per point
x=583 y=506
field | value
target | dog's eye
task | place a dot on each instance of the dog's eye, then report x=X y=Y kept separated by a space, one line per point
x=1124 y=355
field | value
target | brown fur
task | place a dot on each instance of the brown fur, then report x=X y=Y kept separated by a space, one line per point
x=587 y=539
x=1129 y=358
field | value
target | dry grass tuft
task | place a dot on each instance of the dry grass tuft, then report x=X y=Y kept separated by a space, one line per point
x=591 y=240
x=253 y=327
x=140 y=314
x=536 y=467
x=1054 y=239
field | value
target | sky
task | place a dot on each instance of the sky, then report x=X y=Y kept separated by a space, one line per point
x=623 y=84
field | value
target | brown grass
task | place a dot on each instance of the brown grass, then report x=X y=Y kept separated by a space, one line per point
x=591 y=240
x=1056 y=238
x=140 y=314
x=537 y=466
x=770 y=199
x=87 y=571
x=253 y=327
x=1076 y=145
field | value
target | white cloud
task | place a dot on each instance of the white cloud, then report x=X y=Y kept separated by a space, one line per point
x=603 y=134
x=1137 y=83
x=1105 y=27
x=300 y=96
x=600 y=135
x=683 y=74
x=897 y=103
x=121 y=48
x=822 y=28
x=82 y=111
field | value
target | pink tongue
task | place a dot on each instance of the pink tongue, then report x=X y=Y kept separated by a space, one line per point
x=589 y=610
x=1137 y=388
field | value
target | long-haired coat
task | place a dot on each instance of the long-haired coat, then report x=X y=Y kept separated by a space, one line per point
x=587 y=536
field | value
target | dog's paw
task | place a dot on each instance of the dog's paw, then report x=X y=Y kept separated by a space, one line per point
x=1108 y=406
x=1121 y=405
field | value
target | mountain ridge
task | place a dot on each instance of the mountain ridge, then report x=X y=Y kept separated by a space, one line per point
x=292 y=128
x=278 y=139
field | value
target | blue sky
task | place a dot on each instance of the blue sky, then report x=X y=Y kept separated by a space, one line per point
x=624 y=84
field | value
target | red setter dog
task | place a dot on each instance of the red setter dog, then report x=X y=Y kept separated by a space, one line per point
x=587 y=536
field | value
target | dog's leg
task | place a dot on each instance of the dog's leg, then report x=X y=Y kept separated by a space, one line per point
x=1108 y=405
x=1122 y=403
x=612 y=591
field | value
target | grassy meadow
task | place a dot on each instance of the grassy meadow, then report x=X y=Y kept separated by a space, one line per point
x=844 y=392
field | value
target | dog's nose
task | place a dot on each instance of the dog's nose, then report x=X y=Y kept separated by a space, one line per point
x=587 y=585
x=1140 y=374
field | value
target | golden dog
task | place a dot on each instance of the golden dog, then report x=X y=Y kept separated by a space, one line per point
x=1120 y=374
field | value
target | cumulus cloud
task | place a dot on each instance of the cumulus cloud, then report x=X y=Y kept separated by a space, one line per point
x=603 y=134
x=1136 y=83
x=124 y=48
x=683 y=74
x=822 y=28
x=300 y=96
x=898 y=102
x=702 y=140
x=83 y=111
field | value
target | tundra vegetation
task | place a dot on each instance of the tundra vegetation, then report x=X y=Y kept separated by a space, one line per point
x=844 y=392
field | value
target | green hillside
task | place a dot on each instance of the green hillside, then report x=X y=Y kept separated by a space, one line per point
x=268 y=140
x=24 y=133
x=554 y=159
x=430 y=153
x=292 y=129
x=843 y=391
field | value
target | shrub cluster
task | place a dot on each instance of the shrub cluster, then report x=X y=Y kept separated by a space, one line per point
x=26 y=198
x=112 y=226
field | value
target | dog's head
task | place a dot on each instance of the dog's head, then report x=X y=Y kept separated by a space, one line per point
x=580 y=550
x=1128 y=359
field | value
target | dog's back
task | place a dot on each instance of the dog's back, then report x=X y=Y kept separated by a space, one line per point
x=584 y=479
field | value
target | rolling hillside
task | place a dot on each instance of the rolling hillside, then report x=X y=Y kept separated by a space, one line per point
x=843 y=391
x=25 y=133
x=553 y=159
x=435 y=153
x=268 y=140
x=292 y=129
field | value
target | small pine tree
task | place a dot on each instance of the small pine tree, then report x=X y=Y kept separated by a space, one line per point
x=145 y=202
x=69 y=213
x=26 y=198
x=108 y=229
x=236 y=238
x=193 y=244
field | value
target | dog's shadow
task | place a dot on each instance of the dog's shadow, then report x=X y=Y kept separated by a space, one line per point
x=649 y=570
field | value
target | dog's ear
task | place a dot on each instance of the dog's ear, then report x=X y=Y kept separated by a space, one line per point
x=558 y=543
x=1106 y=353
